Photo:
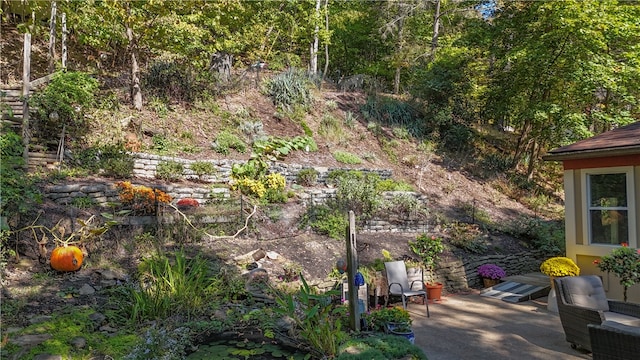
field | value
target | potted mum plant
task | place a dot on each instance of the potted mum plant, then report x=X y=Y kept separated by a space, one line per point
x=559 y=266
x=491 y=274
x=624 y=262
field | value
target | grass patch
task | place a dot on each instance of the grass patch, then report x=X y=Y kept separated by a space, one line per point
x=346 y=158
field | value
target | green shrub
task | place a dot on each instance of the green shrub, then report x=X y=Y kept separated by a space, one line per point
x=457 y=137
x=170 y=80
x=158 y=106
x=169 y=170
x=227 y=140
x=405 y=206
x=201 y=168
x=393 y=185
x=327 y=220
x=331 y=105
x=252 y=169
x=494 y=164
x=401 y=133
x=119 y=164
x=346 y=158
x=358 y=192
x=111 y=160
x=69 y=95
x=307 y=177
x=545 y=235
x=468 y=237
x=393 y=112
x=290 y=88
x=18 y=192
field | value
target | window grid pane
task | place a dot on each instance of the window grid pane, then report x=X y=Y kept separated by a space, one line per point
x=608 y=211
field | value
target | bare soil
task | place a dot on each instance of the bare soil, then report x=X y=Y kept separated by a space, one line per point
x=451 y=188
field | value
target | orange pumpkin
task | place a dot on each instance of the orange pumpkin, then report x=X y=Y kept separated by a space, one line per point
x=66 y=258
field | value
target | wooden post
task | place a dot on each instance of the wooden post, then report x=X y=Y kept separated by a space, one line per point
x=52 y=38
x=352 y=268
x=64 y=40
x=26 y=87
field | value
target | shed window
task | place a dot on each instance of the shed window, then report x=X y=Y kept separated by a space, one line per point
x=608 y=208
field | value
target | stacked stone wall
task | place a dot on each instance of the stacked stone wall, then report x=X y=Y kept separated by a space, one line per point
x=145 y=166
x=460 y=274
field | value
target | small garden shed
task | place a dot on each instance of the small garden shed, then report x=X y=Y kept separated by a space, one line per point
x=602 y=199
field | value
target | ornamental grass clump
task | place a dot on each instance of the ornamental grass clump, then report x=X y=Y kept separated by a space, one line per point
x=491 y=271
x=624 y=262
x=559 y=266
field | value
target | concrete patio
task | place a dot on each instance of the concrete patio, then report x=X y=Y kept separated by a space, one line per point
x=470 y=326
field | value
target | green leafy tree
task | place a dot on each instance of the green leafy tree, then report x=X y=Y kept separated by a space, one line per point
x=559 y=73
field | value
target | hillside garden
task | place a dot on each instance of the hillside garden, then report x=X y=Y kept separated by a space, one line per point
x=463 y=122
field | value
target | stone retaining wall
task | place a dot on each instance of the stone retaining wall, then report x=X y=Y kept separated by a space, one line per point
x=461 y=274
x=105 y=193
x=145 y=166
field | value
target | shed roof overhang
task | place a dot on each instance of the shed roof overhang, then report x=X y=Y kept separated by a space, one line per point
x=592 y=153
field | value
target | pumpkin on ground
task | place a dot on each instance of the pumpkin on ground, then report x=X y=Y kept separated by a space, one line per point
x=66 y=258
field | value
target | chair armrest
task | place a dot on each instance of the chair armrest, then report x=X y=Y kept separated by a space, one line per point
x=574 y=313
x=613 y=344
x=419 y=282
x=625 y=308
x=401 y=288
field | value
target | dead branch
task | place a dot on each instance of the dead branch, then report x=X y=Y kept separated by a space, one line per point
x=217 y=237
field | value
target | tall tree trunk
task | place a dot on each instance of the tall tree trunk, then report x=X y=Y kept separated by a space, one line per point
x=64 y=40
x=521 y=145
x=326 y=43
x=436 y=29
x=52 y=38
x=26 y=88
x=313 y=65
x=396 y=79
x=136 y=92
x=533 y=155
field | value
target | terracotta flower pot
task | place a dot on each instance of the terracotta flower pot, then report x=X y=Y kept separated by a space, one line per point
x=490 y=282
x=434 y=291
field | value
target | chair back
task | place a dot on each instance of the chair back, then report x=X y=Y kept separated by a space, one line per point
x=397 y=274
x=585 y=291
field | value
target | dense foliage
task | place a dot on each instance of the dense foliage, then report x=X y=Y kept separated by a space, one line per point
x=17 y=190
x=624 y=262
x=554 y=72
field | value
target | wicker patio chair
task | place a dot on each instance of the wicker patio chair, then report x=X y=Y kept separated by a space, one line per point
x=614 y=341
x=398 y=281
x=583 y=301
